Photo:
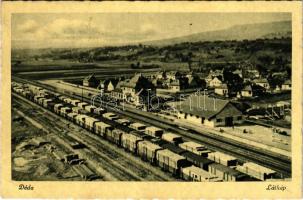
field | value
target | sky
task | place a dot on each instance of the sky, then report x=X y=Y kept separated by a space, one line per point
x=68 y=30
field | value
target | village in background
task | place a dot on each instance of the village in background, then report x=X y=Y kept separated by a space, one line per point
x=217 y=110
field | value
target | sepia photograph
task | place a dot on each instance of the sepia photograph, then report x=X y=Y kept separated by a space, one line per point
x=152 y=97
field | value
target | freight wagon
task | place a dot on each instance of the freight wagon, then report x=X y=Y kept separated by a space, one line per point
x=40 y=101
x=137 y=126
x=197 y=174
x=99 y=111
x=72 y=116
x=46 y=102
x=197 y=160
x=114 y=136
x=90 y=108
x=82 y=105
x=172 y=138
x=154 y=131
x=102 y=128
x=171 y=162
x=129 y=142
x=226 y=173
x=80 y=119
x=256 y=171
x=75 y=102
x=57 y=107
x=147 y=151
x=194 y=147
x=110 y=116
x=90 y=123
x=64 y=111
x=222 y=158
x=123 y=122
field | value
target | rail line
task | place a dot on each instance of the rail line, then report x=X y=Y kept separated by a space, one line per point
x=243 y=151
x=124 y=170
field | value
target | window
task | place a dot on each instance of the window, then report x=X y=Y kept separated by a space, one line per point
x=219 y=120
x=202 y=120
x=185 y=116
x=239 y=118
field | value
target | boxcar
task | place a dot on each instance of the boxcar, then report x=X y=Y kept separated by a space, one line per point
x=75 y=102
x=197 y=160
x=138 y=126
x=114 y=136
x=194 y=147
x=57 y=107
x=172 y=138
x=46 y=102
x=222 y=158
x=90 y=108
x=154 y=131
x=90 y=123
x=102 y=128
x=124 y=122
x=82 y=105
x=64 y=111
x=147 y=151
x=68 y=100
x=71 y=116
x=173 y=148
x=256 y=171
x=99 y=111
x=80 y=119
x=129 y=142
x=226 y=173
x=40 y=101
x=197 y=174
x=110 y=116
x=170 y=161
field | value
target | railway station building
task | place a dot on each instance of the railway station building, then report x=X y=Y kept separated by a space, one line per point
x=209 y=111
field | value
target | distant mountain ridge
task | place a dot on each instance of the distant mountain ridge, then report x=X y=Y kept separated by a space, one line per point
x=237 y=32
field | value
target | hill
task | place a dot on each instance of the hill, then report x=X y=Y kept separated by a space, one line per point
x=238 y=32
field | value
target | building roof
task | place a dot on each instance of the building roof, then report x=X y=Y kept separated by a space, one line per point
x=222 y=86
x=261 y=80
x=247 y=88
x=90 y=77
x=195 y=105
x=287 y=82
x=237 y=71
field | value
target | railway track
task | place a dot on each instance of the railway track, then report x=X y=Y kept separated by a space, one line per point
x=243 y=151
x=120 y=165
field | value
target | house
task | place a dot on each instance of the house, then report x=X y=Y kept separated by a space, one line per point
x=252 y=91
x=286 y=85
x=138 y=89
x=204 y=110
x=108 y=85
x=90 y=81
x=215 y=82
x=173 y=75
x=222 y=90
x=262 y=82
x=238 y=72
